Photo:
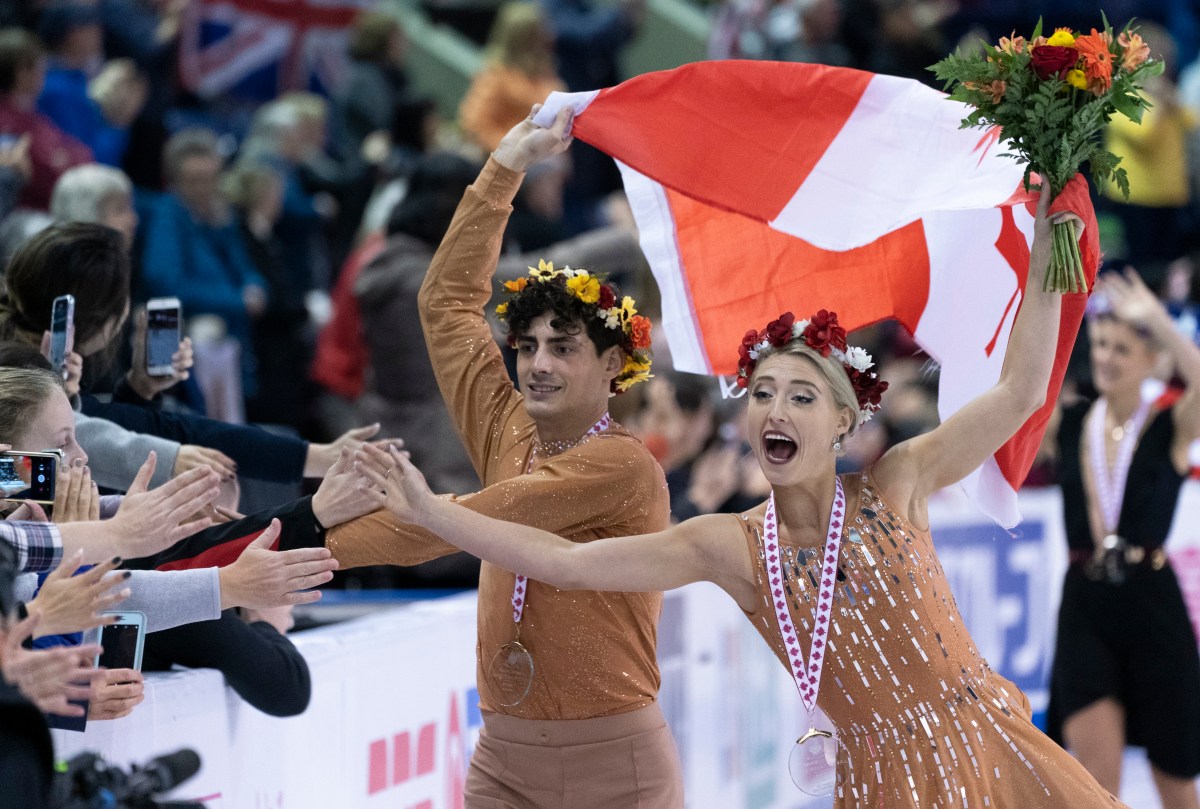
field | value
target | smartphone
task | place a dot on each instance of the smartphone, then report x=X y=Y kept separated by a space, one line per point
x=29 y=475
x=122 y=641
x=62 y=330
x=163 y=318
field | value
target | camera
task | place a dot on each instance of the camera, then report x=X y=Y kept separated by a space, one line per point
x=88 y=782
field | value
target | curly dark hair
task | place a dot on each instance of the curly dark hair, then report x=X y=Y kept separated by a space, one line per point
x=571 y=315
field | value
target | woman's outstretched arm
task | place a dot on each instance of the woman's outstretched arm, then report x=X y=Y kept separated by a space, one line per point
x=708 y=548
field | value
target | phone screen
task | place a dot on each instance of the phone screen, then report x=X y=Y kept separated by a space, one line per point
x=60 y=324
x=27 y=477
x=120 y=643
x=162 y=337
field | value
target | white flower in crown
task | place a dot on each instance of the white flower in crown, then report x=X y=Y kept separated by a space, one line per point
x=612 y=317
x=838 y=354
x=858 y=358
x=569 y=273
x=798 y=328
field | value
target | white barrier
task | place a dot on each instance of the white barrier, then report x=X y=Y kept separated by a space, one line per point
x=394 y=714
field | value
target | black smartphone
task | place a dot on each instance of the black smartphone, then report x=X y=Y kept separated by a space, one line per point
x=162 y=335
x=29 y=475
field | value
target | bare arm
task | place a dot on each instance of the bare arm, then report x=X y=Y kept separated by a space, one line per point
x=916 y=468
x=708 y=548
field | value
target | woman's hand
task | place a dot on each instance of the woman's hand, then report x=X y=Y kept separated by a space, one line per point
x=72 y=370
x=116 y=694
x=1131 y=300
x=321 y=457
x=391 y=480
x=191 y=457
x=76 y=497
x=340 y=498
x=262 y=579
x=69 y=603
x=49 y=678
x=140 y=380
x=150 y=521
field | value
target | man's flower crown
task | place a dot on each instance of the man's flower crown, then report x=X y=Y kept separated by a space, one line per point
x=822 y=334
x=594 y=293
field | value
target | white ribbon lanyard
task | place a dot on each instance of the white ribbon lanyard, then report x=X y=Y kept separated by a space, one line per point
x=1110 y=482
x=518 y=596
x=807 y=674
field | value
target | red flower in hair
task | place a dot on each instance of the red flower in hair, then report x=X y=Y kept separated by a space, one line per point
x=607 y=297
x=640 y=332
x=779 y=331
x=823 y=333
x=868 y=388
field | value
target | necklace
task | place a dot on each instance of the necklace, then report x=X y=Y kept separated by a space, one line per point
x=545 y=449
x=1119 y=431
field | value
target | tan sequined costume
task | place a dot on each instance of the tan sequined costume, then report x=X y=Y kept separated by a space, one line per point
x=594 y=653
x=926 y=723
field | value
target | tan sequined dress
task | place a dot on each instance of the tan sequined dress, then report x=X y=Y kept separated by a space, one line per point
x=925 y=721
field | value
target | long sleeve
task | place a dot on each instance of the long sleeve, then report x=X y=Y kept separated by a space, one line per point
x=261 y=665
x=115 y=454
x=167 y=598
x=260 y=454
x=38 y=545
x=487 y=410
x=595 y=488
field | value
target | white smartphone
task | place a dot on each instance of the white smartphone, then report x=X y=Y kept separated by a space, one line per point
x=163 y=322
x=29 y=475
x=62 y=330
x=122 y=641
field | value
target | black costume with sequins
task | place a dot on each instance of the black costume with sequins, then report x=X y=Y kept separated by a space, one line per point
x=1131 y=641
x=925 y=721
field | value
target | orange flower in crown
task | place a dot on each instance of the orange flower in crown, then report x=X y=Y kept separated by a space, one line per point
x=588 y=296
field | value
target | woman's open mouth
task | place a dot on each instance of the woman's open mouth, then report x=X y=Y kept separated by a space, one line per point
x=778 y=448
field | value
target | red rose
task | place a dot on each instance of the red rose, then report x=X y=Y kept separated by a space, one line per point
x=779 y=331
x=1053 y=60
x=743 y=381
x=868 y=388
x=823 y=333
x=607 y=297
x=748 y=342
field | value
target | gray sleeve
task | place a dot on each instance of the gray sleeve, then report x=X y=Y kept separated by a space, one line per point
x=115 y=454
x=170 y=598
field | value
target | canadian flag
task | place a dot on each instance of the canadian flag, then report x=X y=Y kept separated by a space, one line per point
x=763 y=187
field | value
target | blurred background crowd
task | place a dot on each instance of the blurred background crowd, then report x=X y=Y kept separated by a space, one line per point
x=287 y=169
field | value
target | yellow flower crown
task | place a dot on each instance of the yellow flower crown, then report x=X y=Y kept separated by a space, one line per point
x=594 y=293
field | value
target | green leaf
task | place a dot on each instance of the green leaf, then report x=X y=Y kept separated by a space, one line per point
x=1127 y=105
x=1037 y=30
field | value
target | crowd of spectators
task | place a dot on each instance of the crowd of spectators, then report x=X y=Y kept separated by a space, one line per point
x=295 y=231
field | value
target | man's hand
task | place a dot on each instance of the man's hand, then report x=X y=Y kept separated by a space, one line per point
x=151 y=521
x=400 y=488
x=69 y=603
x=263 y=579
x=340 y=498
x=48 y=678
x=116 y=693
x=527 y=143
x=76 y=498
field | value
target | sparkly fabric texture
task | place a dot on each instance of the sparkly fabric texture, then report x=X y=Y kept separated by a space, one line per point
x=593 y=653
x=926 y=723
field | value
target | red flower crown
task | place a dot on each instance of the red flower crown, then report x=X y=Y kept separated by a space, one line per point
x=822 y=334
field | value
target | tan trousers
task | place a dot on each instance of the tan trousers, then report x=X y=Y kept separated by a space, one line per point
x=627 y=761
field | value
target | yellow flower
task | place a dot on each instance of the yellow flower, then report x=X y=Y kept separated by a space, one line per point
x=627 y=310
x=502 y=310
x=1062 y=37
x=633 y=365
x=585 y=287
x=628 y=382
x=1077 y=79
x=517 y=285
x=544 y=272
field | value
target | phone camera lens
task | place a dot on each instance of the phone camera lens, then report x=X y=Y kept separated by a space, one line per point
x=41 y=478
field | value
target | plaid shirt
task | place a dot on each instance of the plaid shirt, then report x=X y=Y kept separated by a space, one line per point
x=38 y=544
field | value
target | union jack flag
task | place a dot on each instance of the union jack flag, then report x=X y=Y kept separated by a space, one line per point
x=257 y=49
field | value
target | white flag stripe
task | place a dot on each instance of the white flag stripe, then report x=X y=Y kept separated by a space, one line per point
x=656 y=233
x=899 y=156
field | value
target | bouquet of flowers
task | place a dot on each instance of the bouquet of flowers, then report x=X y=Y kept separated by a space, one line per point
x=1051 y=97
